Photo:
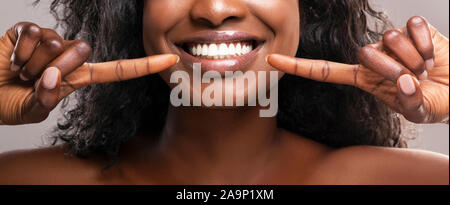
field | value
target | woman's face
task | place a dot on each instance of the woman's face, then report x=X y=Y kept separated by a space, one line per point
x=222 y=35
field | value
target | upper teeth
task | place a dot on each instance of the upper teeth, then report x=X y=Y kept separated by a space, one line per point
x=220 y=51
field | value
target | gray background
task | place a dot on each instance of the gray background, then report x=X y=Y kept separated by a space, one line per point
x=431 y=137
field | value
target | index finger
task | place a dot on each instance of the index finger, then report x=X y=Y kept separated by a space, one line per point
x=318 y=70
x=120 y=70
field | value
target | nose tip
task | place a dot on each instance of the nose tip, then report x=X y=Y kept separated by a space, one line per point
x=217 y=12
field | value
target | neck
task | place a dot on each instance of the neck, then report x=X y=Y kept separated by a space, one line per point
x=222 y=144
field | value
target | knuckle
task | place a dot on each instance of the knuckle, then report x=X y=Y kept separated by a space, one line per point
x=392 y=36
x=32 y=31
x=51 y=32
x=83 y=48
x=54 y=45
x=364 y=52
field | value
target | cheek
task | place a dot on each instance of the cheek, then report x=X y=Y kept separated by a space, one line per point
x=284 y=19
x=158 y=18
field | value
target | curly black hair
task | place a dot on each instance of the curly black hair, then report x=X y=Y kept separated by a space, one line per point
x=107 y=115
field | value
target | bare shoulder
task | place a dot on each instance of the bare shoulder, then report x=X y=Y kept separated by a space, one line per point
x=381 y=165
x=363 y=164
x=46 y=166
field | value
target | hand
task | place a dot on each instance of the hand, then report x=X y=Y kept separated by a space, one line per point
x=38 y=69
x=408 y=71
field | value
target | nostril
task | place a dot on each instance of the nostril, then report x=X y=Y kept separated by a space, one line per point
x=214 y=13
x=215 y=23
x=206 y=22
x=231 y=18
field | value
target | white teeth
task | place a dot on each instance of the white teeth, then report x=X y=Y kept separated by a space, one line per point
x=199 y=50
x=232 y=50
x=246 y=49
x=220 y=51
x=205 y=50
x=212 y=52
x=223 y=50
x=194 y=51
x=238 y=49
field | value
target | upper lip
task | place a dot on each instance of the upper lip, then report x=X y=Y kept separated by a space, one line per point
x=218 y=37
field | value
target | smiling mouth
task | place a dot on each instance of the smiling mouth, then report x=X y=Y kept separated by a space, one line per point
x=220 y=51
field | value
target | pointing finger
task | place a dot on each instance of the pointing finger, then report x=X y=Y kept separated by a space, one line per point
x=318 y=70
x=121 y=70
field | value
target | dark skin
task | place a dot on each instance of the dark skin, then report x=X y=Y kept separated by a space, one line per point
x=238 y=146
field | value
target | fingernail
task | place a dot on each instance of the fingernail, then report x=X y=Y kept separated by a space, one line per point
x=424 y=75
x=407 y=85
x=267 y=58
x=23 y=77
x=178 y=59
x=416 y=81
x=429 y=64
x=50 y=78
x=14 y=67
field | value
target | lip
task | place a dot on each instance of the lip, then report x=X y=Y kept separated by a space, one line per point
x=220 y=65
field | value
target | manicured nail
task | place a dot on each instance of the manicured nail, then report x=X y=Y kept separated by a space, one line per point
x=424 y=75
x=417 y=81
x=429 y=64
x=14 y=67
x=50 y=78
x=22 y=76
x=407 y=85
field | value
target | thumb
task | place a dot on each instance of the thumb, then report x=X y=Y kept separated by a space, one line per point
x=48 y=89
x=411 y=98
x=318 y=70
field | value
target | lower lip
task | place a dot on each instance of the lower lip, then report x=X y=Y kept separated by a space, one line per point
x=221 y=65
